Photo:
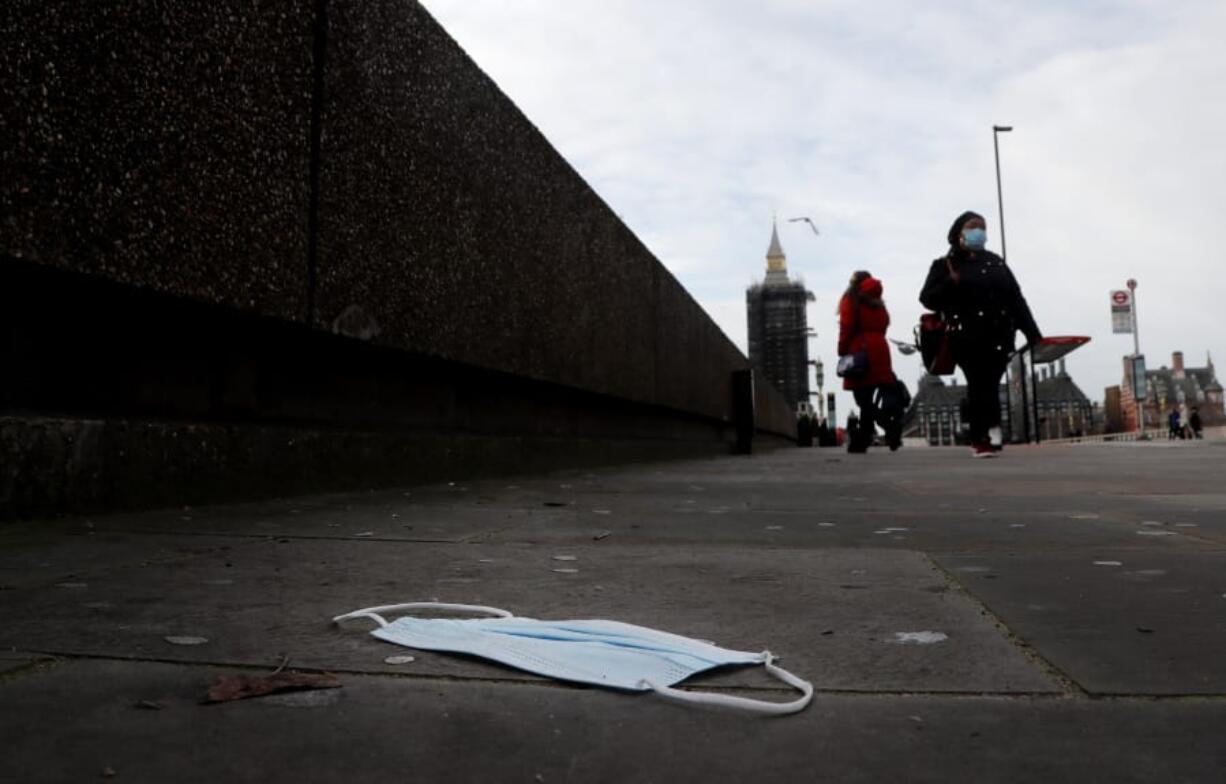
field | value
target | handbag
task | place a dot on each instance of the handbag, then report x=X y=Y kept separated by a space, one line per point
x=933 y=338
x=855 y=364
x=892 y=401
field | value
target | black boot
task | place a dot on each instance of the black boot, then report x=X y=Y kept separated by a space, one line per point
x=893 y=437
x=858 y=442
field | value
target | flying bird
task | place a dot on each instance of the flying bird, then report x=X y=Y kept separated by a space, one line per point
x=906 y=349
x=809 y=221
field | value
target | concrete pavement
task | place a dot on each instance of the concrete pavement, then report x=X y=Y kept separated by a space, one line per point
x=1081 y=591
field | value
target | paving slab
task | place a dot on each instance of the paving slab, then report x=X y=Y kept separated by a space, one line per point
x=1006 y=528
x=833 y=614
x=1031 y=499
x=387 y=515
x=1200 y=516
x=820 y=556
x=144 y=723
x=9 y=664
x=1207 y=502
x=911 y=485
x=1116 y=622
x=69 y=552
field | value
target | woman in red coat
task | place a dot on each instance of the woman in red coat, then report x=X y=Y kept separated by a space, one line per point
x=863 y=320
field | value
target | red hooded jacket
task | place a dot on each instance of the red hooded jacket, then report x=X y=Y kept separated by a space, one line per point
x=865 y=331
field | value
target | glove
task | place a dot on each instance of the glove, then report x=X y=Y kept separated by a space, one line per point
x=1032 y=341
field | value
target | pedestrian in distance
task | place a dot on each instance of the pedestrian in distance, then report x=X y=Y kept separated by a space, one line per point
x=1195 y=423
x=863 y=320
x=983 y=308
x=1173 y=429
x=853 y=426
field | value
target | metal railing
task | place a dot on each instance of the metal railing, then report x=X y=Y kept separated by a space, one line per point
x=1154 y=434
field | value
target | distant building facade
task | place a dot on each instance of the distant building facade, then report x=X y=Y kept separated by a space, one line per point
x=1113 y=410
x=1177 y=387
x=778 y=327
x=937 y=412
x=1064 y=410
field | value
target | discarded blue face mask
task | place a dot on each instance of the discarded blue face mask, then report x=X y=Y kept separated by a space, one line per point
x=603 y=653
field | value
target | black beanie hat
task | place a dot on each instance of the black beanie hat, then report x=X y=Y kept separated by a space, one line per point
x=956 y=229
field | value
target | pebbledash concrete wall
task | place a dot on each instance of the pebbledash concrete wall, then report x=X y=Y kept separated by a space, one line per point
x=261 y=248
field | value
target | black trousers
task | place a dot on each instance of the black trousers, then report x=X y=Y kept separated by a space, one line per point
x=983 y=372
x=868 y=411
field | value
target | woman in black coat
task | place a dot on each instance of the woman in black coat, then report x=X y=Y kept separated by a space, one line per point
x=983 y=307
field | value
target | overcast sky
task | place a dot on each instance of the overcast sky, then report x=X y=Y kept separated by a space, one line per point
x=699 y=120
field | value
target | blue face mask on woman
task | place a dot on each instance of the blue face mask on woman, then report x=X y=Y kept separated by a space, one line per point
x=975 y=239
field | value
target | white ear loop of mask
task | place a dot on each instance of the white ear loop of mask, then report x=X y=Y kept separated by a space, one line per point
x=373 y=612
x=744 y=703
x=667 y=692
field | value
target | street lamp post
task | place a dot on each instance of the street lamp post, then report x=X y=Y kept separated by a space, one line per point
x=1136 y=335
x=1139 y=402
x=1000 y=201
x=821 y=398
x=1000 y=216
